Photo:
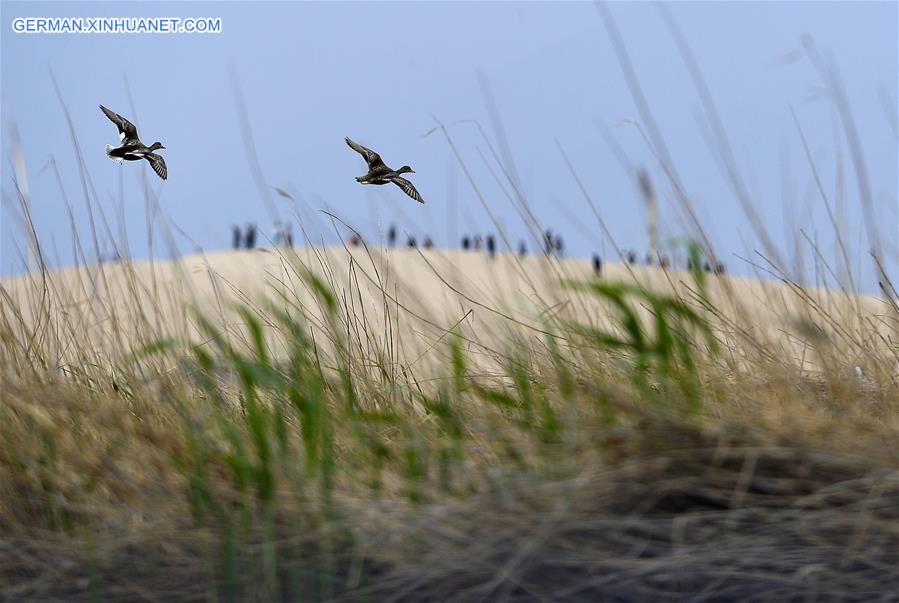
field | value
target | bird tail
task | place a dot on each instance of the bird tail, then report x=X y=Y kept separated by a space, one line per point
x=109 y=149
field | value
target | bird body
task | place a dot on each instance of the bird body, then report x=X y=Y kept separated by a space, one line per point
x=378 y=172
x=131 y=148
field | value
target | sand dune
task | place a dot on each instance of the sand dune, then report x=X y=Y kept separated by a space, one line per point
x=420 y=294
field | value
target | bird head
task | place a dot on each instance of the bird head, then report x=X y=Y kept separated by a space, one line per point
x=156 y=145
x=405 y=169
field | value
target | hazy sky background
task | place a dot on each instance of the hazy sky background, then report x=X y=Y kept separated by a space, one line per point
x=380 y=73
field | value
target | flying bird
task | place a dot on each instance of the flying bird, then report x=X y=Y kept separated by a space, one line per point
x=378 y=173
x=132 y=149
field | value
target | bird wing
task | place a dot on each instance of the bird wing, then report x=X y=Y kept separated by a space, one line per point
x=371 y=158
x=127 y=131
x=158 y=165
x=407 y=188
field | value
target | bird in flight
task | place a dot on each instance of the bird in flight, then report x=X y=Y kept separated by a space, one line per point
x=132 y=149
x=379 y=173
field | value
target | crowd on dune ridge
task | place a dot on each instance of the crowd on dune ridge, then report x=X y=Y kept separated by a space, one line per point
x=553 y=246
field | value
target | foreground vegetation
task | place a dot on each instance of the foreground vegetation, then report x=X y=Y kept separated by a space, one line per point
x=275 y=461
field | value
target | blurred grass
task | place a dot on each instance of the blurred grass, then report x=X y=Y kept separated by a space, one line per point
x=278 y=461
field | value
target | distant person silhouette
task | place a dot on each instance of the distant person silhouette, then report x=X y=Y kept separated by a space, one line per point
x=466 y=243
x=391 y=235
x=411 y=243
x=631 y=257
x=235 y=236
x=548 y=241
x=288 y=234
x=428 y=243
x=477 y=242
x=522 y=248
x=559 y=245
x=250 y=236
x=277 y=234
x=597 y=264
x=491 y=245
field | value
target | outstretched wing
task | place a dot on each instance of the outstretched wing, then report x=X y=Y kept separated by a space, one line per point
x=127 y=131
x=407 y=188
x=158 y=165
x=371 y=158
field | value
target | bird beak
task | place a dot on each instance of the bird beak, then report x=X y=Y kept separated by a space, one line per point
x=411 y=171
x=161 y=147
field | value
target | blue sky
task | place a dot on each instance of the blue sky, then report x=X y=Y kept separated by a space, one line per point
x=313 y=73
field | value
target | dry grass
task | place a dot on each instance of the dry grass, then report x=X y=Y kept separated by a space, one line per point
x=292 y=456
